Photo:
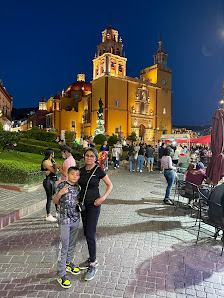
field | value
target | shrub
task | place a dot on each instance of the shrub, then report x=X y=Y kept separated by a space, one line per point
x=69 y=137
x=20 y=173
x=41 y=135
x=35 y=129
x=112 y=140
x=1 y=126
x=99 y=139
x=24 y=147
x=8 y=139
x=40 y=143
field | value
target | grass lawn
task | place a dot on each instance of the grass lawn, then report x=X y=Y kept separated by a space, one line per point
x=28 y=158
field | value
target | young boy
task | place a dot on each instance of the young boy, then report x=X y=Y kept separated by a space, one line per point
x=67 y=195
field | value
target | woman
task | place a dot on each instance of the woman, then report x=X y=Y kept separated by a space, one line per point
x=140 y=159
x=175 y=157
x=90 y=176
x=49 y=166
x=168 y=173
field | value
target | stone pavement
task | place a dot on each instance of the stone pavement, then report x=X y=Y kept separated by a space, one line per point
x=145 y=249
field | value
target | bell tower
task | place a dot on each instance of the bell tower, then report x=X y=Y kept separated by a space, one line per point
x=160 y=57
x=109 y=59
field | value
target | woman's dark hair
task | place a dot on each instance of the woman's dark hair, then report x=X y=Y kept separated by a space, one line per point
x=93 y=150
x=48 y=153
x=166 y=152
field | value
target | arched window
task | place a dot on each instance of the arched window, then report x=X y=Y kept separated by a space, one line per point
x=118 y=52
x=100 y=53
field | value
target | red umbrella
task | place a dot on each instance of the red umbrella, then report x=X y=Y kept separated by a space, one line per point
x=202 y=140
x=215 y=169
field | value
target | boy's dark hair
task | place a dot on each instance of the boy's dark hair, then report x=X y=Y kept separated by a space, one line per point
x=73 y=168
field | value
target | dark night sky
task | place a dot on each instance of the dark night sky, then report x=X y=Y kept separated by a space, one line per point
x=44 y=44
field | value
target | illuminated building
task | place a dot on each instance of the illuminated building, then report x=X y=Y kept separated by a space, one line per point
x=5 y=107
x=142 y=105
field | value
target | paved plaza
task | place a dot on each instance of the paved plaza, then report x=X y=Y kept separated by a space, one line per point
x=145 y=248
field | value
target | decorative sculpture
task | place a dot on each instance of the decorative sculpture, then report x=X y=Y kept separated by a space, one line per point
x=100 y=121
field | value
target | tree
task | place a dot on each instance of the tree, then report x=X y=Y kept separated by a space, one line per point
x=132 y=137
x=112 y=140
x=99 y=139
x=1 y=126
x=69 y=137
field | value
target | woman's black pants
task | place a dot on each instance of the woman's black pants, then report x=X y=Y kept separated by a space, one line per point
x=89 y=219
x=50 y=188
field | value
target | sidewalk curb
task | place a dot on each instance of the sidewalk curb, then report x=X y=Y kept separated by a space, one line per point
x=18 y=214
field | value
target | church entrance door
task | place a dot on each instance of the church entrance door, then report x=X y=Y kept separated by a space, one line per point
x=142 y=132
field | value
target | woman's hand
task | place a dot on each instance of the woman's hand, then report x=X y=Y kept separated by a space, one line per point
x=98 y=202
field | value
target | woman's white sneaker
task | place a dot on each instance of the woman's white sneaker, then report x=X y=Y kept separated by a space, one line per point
x=50 y=218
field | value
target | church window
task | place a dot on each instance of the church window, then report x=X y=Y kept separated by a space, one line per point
x=120 y=68
x=117 y=103
x=118 y=52
x=108 y=36
x=73 y=123
x=142 y=108
x=100 y=53
x=116 y=129
x=104 y=50
x=164 y=111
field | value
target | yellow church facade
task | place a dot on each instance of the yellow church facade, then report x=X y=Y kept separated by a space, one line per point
x=143 y=105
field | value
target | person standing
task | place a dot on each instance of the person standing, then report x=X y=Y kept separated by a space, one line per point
x=150 y=157
x=50 y=167
x=67 y=196
x=90 y=176
x=69 y=162
x=161 y=150
x=115 y=156
x=105 y=147
x=131 y=153
x=140 y=159
x=91 y=144
x=136 y=148
x=169 y=174
x=119 y=150
x=175 y=157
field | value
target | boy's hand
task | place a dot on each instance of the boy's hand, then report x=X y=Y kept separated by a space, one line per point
x=64 y=190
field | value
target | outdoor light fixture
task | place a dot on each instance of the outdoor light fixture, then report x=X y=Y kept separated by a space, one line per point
x=133 y=109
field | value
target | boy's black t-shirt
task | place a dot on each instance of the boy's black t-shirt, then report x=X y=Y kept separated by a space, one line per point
x=93 y=189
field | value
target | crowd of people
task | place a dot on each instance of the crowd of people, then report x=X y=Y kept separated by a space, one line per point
x=77 y=195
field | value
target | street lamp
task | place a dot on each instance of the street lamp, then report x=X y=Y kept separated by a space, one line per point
x=222 y=103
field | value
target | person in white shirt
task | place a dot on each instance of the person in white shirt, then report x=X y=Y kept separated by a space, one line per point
x=119 y=150
x=169 y=174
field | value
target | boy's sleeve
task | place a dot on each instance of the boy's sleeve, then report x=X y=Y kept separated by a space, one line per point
x=59 y=187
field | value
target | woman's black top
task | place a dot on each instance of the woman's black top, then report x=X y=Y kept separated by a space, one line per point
x=93 y=189
x=141 y=151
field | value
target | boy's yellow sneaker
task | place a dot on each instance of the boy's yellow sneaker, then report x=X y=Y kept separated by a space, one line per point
x=64 y=282
x=70 y=267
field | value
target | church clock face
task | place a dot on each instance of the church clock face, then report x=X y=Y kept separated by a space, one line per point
x=164 y=81
x=76 y=96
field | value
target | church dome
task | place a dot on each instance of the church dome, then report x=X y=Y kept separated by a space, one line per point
x=80 y=86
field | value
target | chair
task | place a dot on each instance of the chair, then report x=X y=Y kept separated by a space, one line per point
x=186 y=190
x=211 y=210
